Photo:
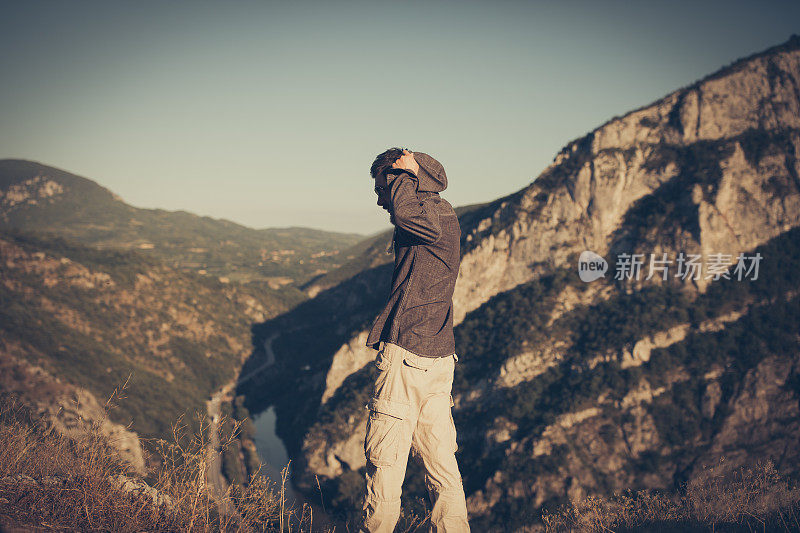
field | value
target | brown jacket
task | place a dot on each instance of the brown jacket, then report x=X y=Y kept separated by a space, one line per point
x=419 y=312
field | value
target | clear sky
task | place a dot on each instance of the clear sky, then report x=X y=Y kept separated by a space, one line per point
x=270 y=113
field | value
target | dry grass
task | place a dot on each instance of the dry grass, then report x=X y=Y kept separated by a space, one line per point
x=48 y=482
x=51 y=483
x=747 y=499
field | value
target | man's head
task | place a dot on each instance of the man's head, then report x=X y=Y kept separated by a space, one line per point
x=380 y=167
x=384 y=162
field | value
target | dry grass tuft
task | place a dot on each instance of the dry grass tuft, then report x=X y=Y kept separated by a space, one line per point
x=753 y=498
x=48 y=482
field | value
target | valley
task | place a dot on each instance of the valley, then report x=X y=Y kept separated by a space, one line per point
x=136 y=319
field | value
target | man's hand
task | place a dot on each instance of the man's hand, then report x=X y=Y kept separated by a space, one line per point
x=407 y=162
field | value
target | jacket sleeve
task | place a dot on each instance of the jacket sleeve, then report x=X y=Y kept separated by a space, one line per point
x=409 y=213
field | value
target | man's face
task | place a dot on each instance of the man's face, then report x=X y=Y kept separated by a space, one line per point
x=382 y=190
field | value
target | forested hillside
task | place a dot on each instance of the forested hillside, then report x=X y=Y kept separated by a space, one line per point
x=36 y=197
x=77 y=322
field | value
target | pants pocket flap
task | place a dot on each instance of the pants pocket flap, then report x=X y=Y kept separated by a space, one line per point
x=422 y=363
x=388 y=407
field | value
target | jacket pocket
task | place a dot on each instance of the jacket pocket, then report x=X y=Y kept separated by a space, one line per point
x=384 y=431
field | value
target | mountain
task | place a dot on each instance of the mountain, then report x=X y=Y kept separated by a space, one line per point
x=78 y=323
x=35 y=197
x=565 y=388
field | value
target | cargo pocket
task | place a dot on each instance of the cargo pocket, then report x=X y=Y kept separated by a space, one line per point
x=419 y=362
x=384 y=431
x=454 y=444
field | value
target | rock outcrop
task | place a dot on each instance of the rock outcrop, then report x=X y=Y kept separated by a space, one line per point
x=72 y=411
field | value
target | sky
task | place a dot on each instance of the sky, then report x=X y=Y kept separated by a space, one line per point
x=269 y=114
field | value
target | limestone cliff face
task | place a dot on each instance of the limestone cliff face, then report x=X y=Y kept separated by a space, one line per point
x=619 y=444
x=580 y=202
x=581 y=199
x=764 y=417
x=709 y=169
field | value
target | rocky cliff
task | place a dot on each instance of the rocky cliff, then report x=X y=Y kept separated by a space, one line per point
x=586 y=388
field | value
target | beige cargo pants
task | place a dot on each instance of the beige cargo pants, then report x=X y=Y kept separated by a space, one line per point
x=410 y=407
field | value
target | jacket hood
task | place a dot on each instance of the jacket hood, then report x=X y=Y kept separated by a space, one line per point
x=431 y=173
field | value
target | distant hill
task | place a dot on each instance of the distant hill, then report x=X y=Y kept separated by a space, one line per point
x=36 y=197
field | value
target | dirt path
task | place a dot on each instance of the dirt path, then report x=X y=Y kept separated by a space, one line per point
x=268 y=363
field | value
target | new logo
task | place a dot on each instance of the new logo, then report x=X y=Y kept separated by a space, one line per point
x=591 y=266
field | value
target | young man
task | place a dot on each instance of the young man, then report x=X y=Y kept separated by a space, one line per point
x=411 y=400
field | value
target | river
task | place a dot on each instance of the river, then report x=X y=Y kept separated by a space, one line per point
x=274 y=459
x=273 y=453
x=270 y=447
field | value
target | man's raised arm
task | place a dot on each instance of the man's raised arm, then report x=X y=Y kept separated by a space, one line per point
x=408 y=212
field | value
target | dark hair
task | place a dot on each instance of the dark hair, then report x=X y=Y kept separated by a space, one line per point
x=384 y=161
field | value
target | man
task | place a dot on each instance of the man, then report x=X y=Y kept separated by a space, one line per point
x=411 y=400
